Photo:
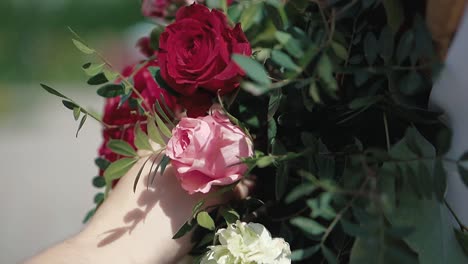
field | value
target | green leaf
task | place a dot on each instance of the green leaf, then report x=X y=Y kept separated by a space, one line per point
x=93 y=69
x=265 y=161
x=386 y=44
x=355 y=230
x=196 y=208
x=205 y=220
x=362 y=102
x=155 y=35
x=69 y=105
x=140 y=171
x=111 y=90
x=405 y=46
x=99 y=198
x=339 y=50
x=230 y=215
x=184 y=229
x=395 y=14
x=76 y=113
x=162 y=114
x=329 y=255
x=153 y=132
x=325 y=72
x=99 y=182
x=276 y=13
x=281 y=180
x=370 y=48
x=89 y=215
x=98 y=79
x=299 y=192
x=462 y=238
x=234 y=12
x=163 y=127
x=249 y=15
x=82 y=47
x=304 y=253
x=110 y=75
x=118 y=169
x=217 y=4
x=101 y=163
x=283 y=59
x=254 y=88
x=433 y=245
x=164 y=162
x=292 y=45
x=83 y=120
x=411 y=83
x=308 y=225
x=121 y=147
x=314 y=92
x=321 y=207
x=440 y=180
x=163 y=84
x=141 y=139
x=52 y=91
x=253 y=69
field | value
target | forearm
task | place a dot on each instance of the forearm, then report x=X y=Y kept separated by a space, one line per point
x=131 y=227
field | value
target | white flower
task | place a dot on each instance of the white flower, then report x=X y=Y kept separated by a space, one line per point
x=251 y=243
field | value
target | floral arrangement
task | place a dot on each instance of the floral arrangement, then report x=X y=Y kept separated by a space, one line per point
x=313 y=112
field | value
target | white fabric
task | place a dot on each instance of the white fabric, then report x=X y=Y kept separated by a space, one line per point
x=450 y=93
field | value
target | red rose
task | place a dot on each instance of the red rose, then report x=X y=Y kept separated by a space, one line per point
x=145 y=83
x=197 y=104
x=195 y=51
x=144 y=45
x=123 y=118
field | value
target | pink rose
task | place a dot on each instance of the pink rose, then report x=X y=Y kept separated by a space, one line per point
x=206 y=151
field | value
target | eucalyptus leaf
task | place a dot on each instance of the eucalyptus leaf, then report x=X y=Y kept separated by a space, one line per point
x=141 y=139
x=284 y=60
x=163 y=127
x=53 y=91
x=299 y=192
x=82 y=47
x=405 y=46
x=118 y=168
x=370 y=48
x=121 y=147
x=82 y=122
x=111 y=90
x=184 y=229
x=308 y=225
x=230 y=215
x=304 y=253
x=153 y=132
x=98 y=79
x=76 y=113
x=291 y=45
x=92 y=69
x=99 y=182
x=205 y=220
x=386 y=43
x=253 y=69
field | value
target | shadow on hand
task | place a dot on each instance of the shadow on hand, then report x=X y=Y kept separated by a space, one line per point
x=166 y=191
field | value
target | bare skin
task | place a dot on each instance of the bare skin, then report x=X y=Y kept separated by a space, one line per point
x=131 y=227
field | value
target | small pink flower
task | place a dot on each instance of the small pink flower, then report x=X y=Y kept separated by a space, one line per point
x=206 y=151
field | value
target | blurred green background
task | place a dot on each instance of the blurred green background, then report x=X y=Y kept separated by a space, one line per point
x=35 y=42
x=47 y=170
